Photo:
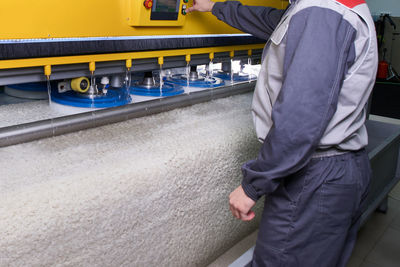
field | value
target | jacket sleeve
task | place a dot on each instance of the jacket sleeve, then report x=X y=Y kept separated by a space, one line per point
x=319 y=50
x=259 y=21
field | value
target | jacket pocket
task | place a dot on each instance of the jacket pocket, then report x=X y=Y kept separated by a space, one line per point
x=280 y=32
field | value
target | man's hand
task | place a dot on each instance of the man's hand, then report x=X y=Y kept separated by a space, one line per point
x=201 y=5
x=240 y=205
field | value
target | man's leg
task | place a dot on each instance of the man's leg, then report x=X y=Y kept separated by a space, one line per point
x=306 y=222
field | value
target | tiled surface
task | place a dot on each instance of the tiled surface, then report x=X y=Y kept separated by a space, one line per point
x=374 y=229
x=396 y=192
x=355 y=261
x=396 y=222
x=370 y=264
x=387 y=250
x=236 y=251
x=378 y=241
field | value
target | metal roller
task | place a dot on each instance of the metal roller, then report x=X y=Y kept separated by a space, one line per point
x=80 y=85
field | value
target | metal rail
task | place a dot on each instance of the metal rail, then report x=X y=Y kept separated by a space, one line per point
x=27 y=132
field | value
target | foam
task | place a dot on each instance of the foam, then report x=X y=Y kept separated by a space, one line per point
x=146 y=192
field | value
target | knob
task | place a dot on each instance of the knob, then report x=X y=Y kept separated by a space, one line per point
x=148 y=4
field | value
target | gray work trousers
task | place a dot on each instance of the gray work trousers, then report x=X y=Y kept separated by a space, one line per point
x=312 y=219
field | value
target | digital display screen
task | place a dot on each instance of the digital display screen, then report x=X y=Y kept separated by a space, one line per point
x=166 y=6
x=165 y=10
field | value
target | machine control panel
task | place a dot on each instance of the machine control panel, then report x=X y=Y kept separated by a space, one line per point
x=165 y=10
x=157 y=13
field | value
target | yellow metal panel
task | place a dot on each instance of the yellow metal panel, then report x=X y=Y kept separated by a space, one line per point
x=31 y=19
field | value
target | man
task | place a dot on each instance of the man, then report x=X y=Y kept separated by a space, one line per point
x=318 y=69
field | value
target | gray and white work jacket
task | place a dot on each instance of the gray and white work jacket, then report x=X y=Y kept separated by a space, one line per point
x=318 y=70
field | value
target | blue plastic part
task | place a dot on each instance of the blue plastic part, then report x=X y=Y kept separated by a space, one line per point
x=236 y=77
x=113 y=98
x=201 y=82
x=32 y=87
x=166 y=90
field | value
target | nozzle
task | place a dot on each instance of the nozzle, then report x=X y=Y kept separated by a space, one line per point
x=128 y=64
x=92 y=67
x=47 y=71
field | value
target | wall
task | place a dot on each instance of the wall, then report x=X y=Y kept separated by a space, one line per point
x=392 y=36
x=384 y=6
x=146 y=192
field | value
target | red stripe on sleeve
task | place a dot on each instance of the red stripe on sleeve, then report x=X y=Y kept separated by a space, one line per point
x=351 y=3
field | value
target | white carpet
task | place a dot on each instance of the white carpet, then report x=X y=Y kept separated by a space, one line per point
x=147 y=192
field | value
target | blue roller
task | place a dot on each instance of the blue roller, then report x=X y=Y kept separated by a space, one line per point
x=166 y=90
x=113 y=98
x=35 y=91
x=181 y=80
x=236 y=77
x=32 y=87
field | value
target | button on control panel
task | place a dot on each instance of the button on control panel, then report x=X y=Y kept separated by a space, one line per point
x=184 y=9
x=148 y=4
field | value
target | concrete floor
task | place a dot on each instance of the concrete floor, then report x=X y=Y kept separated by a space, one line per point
x=378 y=243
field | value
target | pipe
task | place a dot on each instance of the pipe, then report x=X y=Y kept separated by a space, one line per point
x=28 y=132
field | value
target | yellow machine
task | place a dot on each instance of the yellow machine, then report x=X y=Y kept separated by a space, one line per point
x=105 y=18
x=49 y=34
x=97 y=55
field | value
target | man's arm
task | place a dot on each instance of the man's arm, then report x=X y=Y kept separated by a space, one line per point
x=259 y=21
x=319 y=51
